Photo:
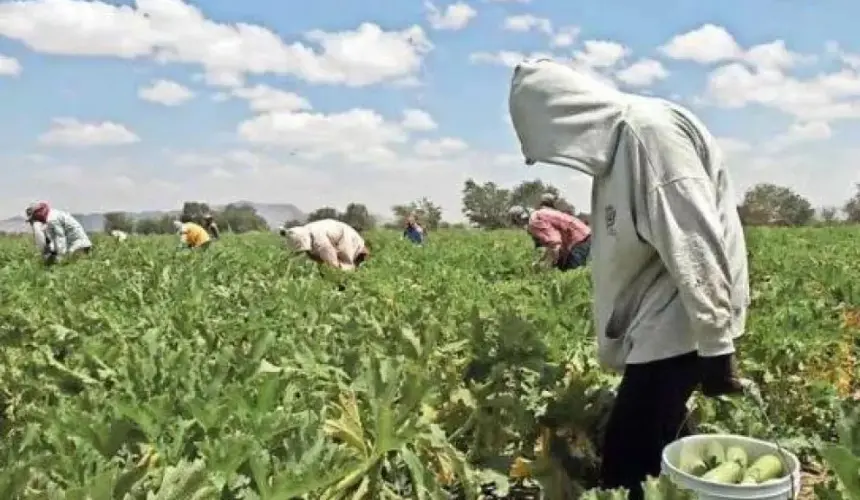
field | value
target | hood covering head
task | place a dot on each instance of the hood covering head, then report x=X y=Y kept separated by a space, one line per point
x=298 y=238
x=565 y=116
x=38 y=212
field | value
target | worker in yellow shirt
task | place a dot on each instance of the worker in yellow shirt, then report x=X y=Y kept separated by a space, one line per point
x=192 y=235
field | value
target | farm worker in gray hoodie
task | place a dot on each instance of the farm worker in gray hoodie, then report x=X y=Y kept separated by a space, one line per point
x=65 y=235
x=669 y=261
x=329 y=242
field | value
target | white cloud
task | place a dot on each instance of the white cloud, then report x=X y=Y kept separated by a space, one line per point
x=564 y=37
x=773 y=55
x=732 y=146
x=507 y=58
x=713 y=44
x=9 y=66
x=799 y=133
x=171 y=31
x=561 y=37
x=454 y=17
x=642 y=73
x=166 y=92
x=707 y=44
x=601 y=53
x=419 y=120
x=262 y=98
x=440 y=147
x=73 y=133
x=825 y=97
x=528 y=22
x=357 y=135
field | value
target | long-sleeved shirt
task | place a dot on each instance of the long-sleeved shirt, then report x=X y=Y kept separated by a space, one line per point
x=669 y=260
x=329 y=241
x=553 y=228
x=65 y=233
x=414 y=233
x=193 y=235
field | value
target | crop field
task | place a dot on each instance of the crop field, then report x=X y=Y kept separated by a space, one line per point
x=145 y=372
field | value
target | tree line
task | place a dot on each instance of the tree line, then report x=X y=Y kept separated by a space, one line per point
x=486 y=206
x=236 y=218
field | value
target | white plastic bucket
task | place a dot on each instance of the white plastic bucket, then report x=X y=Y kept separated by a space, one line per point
x=777 y=489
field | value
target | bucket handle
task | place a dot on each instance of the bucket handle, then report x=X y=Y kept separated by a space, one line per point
x=751 y=390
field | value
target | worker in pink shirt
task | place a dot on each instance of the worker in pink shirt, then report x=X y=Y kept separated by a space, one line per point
x=567 y=240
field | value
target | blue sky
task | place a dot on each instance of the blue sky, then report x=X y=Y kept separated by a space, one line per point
x=142 y=105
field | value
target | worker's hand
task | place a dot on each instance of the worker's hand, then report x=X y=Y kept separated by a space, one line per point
x=719 y=375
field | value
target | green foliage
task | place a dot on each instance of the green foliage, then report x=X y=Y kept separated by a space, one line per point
x=769 y=204
x=119 y=221
x=146 y=373
x=427 y=213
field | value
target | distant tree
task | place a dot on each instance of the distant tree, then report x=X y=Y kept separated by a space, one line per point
x=852 y=206
x=292 y=223
x=323 y=213
x=486 y=206
x=118 y=221
x=528 y=194
x=193 y=211
x=427 y=213
x=357 y=216
x=240 y=218
x=828 y=215
x=769 y=204
x=155 y=225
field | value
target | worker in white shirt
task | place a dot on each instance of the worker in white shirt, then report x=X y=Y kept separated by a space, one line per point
x=329 y=242
x=65 y=235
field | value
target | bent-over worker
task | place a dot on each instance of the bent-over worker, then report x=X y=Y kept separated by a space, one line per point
x=191 y=235
x=64 y=235
x=211 y=227
x=566 y=239
x=40 y=237
x=669 y=263
x=413 y=231
x=329 y=242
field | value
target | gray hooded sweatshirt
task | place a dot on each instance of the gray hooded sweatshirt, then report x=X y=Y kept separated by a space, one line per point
x=669 y=262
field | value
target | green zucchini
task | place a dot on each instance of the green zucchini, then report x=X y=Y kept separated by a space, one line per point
x=725 y=473
x=691 y=461
x=714 y=454
x=737 y=454
x=765 y=468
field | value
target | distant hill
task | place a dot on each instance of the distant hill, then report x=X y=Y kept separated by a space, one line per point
x=274 y=213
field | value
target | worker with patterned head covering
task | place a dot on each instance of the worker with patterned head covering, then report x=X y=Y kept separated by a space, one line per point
x=328 y=242
x=64 y=235
x=40 y=237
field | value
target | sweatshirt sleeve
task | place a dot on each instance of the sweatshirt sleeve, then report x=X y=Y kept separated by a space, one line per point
x=685 y=229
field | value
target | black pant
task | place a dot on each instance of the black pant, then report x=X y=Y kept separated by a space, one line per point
x=577 y=257
x=648 y=413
